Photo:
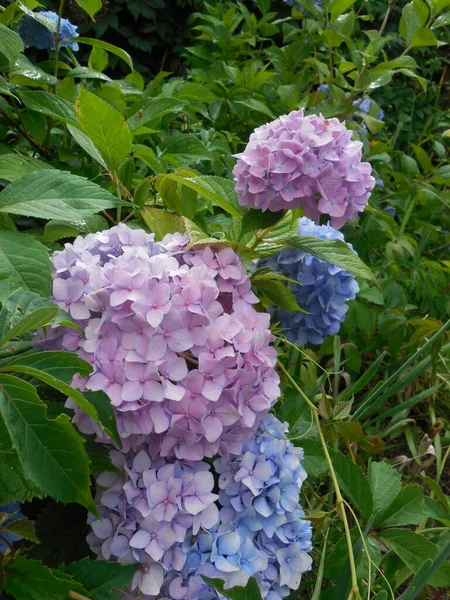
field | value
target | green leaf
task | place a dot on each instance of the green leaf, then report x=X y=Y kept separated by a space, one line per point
x=87 y=144
x=51 y=452
x=337 y=7
x=257 y=106
x=13 y=483
x=256 y=219
x=86 y=73
x=57 y=370
x=405 y=509
x=55 y=230
x=5 y=88
x=23 y=68
x=162 y=222
x=25 y=262
x=55 y=195
x=105 y=126
x=410 y=22
x=105 y=45
x=38 y=318
x=353 y=482
x=102 y=579
x=385 y=484
x=422 y=158
x=249 y=592
x=39 y=17
x=277 y=293
x=24 y=528
x=10 y=44
x=425 y=573
x=442 y=21
x=49 y=104
x=414 y=549
x=14 y=166
x=185 y=149
x=217 y=190
x=153 y=109
x=29 y=579
x=335 y=252
x=424 y=37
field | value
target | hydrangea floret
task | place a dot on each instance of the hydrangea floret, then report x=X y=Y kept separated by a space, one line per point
x=322 y=290
x=166 y=517
x=36 y=34
x=304 y=161
x=173 y=339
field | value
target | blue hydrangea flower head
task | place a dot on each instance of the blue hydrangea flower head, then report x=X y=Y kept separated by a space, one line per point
x=323 y=288
x=9 y=538
x=34 y=33
x=364 y=106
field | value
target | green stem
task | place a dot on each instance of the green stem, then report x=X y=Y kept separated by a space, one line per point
x=119 y=195
x=25 y=134
x=340 y=504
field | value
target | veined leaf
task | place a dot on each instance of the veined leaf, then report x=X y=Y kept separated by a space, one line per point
x=57 y=369
x=216 y=190
x=385 y=484
x=26 y=578
x=55 y=195
x=161 y=221
x=15 y=166
x=105 y=126
x=91 y=7
x=102 y=579
x=153 y=109
x=49 y=104
x=51 y=452
x=11 y=44
x=87 y=144
x=185 y=150
x=335 y=252
x=24 y=528
x=25 y=262
x=39 y=318
x=405 y=509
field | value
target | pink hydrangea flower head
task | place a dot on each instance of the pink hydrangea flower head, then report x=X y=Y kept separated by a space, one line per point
x=173 y=338
x=304 y=161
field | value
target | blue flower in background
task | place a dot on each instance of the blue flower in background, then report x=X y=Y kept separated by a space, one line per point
x=6 y=537
x=390 y=210
x=323 y=289
x=34 y=33
x=318 y=3
x=364 y=106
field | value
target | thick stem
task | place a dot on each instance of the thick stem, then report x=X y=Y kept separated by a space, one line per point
x=386 y=17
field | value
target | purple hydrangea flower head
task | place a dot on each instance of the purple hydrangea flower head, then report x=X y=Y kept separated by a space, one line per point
x=173 y=339
x=165 y=517
x=8 y=514
x=34 y=33
x=304 y=161
x=323 y=289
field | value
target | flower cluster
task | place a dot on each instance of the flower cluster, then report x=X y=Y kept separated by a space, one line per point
x=173 y=339
x=306 y=161
x=36 y=34
x=166 y=517
x=322 y=290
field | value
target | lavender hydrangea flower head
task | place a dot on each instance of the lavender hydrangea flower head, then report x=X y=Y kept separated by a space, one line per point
x=173 y=339
x=34 y=33
x=166 y=517
x=306 y=161
x=323 y=288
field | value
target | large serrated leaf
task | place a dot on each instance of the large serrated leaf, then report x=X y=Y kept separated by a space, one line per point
x=153 y=109
x=50 y=450
x=55 y=195
x=10 y=44
x=105 y=127
x=217 y=190
x=15 y=166
x=25 y=263
x=49 y=104
x=335 y=252
x=26 y=578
